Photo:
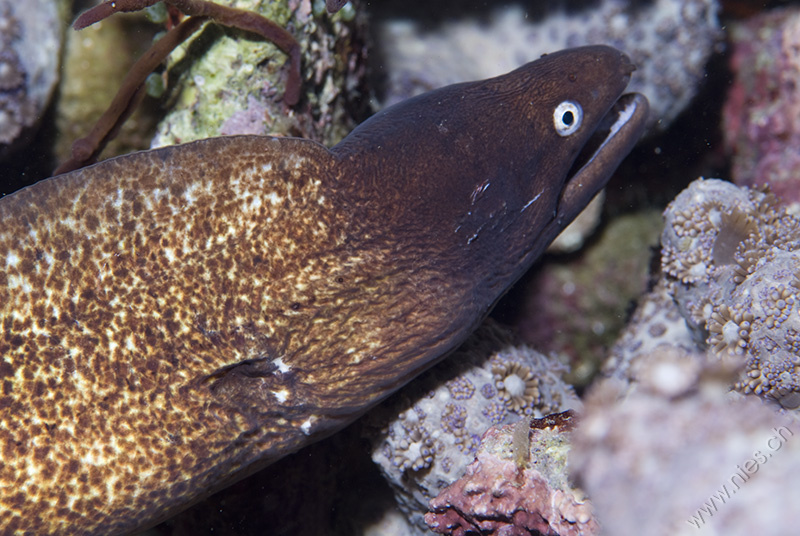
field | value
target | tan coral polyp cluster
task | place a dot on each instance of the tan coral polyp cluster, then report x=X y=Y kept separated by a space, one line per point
x=746 y=257
x=776 y=379
x=729 y=329
x=747 y=304
x=516 y=384
x=778 y=305
x=689 y=257
x=416 y=450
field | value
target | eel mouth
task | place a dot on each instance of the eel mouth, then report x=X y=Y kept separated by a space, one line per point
x=612 y=140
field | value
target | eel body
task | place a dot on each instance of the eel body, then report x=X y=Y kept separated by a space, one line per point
x=175 y=319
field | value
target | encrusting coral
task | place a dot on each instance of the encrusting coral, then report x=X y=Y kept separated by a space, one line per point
x=664 y=442
x=656 y=323
x=730 y=257
x=517 y=484
x=428 y=434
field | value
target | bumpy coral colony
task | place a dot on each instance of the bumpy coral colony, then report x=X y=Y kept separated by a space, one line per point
x=732 y=261
x=431 y=431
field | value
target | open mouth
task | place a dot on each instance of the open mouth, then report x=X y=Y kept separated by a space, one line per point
x=613 y=139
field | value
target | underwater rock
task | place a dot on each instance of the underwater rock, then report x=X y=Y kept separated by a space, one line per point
x=762 y=110
x=656 y=323
x=428 y=433
x=577 y=305
x=518 y=484
x=221 y=81
x=731 y=260
x=234 y=82
x=669 y=41
x=96 y=59
x=30 y=41
x=666 y=455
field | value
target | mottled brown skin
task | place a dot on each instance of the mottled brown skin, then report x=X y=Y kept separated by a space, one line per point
x=175 y=319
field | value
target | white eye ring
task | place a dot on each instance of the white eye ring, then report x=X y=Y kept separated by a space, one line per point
x=567 y=117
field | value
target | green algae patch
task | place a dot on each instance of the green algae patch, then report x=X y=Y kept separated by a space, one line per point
x=226 y=81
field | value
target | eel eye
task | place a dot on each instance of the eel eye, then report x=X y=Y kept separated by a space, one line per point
x=567 y=117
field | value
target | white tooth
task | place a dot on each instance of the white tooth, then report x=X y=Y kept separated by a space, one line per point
x=624 y=116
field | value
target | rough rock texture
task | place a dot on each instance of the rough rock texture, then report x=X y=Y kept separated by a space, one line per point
x=96 y=59
x=730 y=257
x=233 y=83
x=517 y=484
x=222 y=82
x=668 y=40
x=429 y=433
x=665 y=456
x=30 y=40
x=656 y=323
x=576 y=306
x=762 y=110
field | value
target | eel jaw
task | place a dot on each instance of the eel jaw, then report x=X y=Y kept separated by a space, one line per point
x=614 y=138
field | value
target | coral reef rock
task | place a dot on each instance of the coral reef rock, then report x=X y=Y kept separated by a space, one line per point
x=730 y=257
x=669 y=41
x=95 y=61
x=576 y=306
x=431 y=431
x=656 y=323
x=676 y=452
x=762 y=110
x=30 y=42
x=234 y=83
x=517 y=485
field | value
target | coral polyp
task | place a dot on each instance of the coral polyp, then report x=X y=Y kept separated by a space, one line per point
x=734 y=227
x=729 y=329
x=516 y=384
x=746 y=301
x=415 y=450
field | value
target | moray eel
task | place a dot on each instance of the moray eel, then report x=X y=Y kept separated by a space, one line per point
x=175 y=319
